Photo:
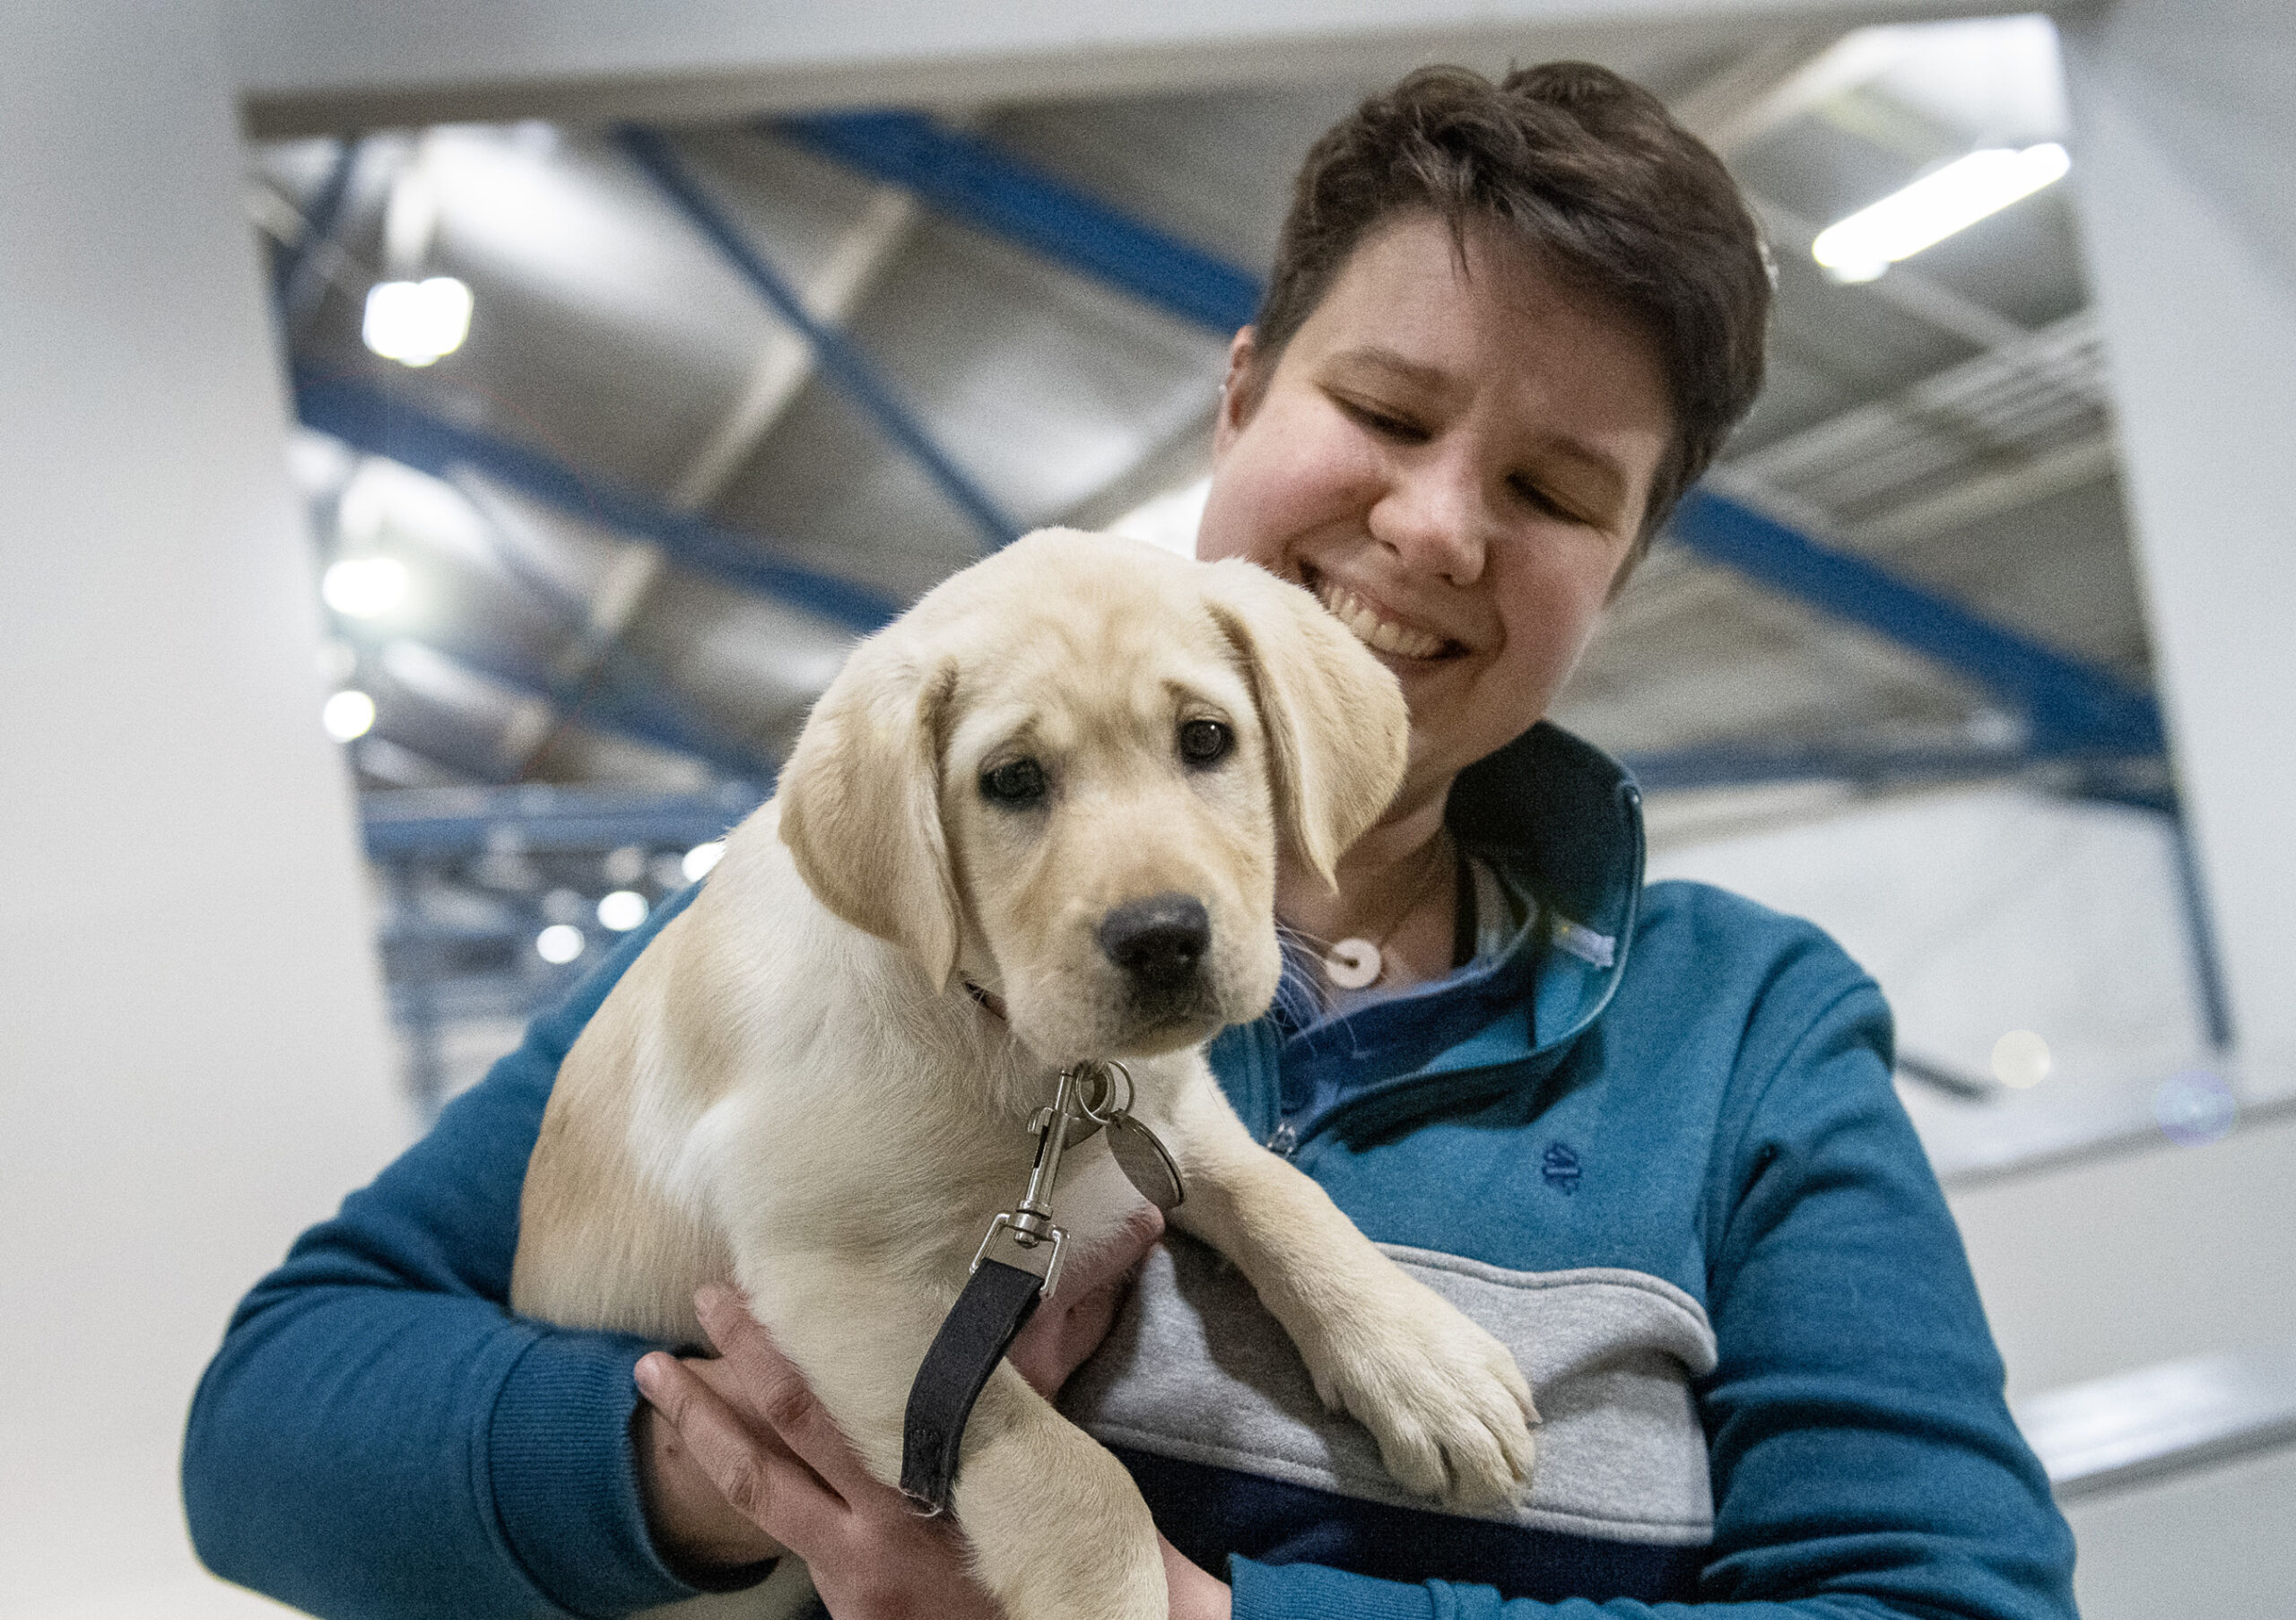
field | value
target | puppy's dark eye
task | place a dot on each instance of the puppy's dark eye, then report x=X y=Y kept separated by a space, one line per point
x=1017 y=782
x=1205 y=742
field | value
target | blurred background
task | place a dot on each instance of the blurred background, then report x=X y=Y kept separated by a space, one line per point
x=455 y=452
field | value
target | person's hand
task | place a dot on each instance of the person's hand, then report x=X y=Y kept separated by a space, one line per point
x=699 y=1532
x=771 y=1451
x=726 y=1448
x=779 y=1460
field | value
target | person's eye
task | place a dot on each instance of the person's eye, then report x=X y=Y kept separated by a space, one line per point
x=1205 y=742
x=1538 y=497
x=1386 y=423
x=1016 y=784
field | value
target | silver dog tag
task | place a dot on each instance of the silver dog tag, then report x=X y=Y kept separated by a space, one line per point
x=1145 y=1162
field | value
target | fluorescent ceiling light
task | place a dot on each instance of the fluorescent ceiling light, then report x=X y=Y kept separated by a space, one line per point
x=362 y=587
x=623 y=910
x=1868 y=242
x=559 y=942
x=348 y=714
x=416 y=322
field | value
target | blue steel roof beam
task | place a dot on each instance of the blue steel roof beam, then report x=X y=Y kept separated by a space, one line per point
x=2207 y=958
x=603 y=666
x=603 y=706
x=646 y=724
x=379 y=422
x=974 y=183
x=2070 y=707
x=468 y=753
x=839 y=359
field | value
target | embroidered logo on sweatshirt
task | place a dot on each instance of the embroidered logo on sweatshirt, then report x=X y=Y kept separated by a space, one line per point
x=1559 y=1166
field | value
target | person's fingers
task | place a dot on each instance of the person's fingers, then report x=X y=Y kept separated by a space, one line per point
x=779 y=1396
x=765 y=1482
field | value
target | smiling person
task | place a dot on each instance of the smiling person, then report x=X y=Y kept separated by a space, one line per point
x=1647 y=1137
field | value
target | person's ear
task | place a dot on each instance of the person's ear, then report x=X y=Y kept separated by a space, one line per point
x=1338 y=734
x=861 y=801
x=1238 y=391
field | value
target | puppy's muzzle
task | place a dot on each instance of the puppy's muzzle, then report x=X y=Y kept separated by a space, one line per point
x=1161 y=944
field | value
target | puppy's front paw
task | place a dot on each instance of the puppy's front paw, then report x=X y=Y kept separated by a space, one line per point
x=1451 y=1411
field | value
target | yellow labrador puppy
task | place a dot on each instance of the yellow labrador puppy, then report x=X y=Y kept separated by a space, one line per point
x=1059 y=781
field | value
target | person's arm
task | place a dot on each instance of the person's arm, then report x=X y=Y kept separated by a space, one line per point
x=379 y=1437
x=1863 y=1459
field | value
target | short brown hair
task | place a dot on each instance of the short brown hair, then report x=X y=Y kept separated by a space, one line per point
x=1588 y=172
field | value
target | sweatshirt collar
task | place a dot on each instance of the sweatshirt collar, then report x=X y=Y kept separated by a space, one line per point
x=1561 y=821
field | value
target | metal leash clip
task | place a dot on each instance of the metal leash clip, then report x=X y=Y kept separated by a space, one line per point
x=1024 y=1236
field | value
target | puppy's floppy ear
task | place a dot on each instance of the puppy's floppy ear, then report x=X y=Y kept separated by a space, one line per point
x=1337 y=730
x=861 y=802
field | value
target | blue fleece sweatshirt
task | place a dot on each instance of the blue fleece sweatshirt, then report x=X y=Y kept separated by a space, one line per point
x=1653 y=1145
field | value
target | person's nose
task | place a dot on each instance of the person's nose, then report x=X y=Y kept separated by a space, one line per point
x=1435 y=515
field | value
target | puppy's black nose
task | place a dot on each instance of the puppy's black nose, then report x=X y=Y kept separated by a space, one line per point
x=1159 y=940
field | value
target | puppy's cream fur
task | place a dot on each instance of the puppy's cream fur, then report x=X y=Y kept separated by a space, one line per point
x=792 y=1086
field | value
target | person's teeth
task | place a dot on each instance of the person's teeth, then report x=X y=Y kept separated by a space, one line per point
x=1372 y=631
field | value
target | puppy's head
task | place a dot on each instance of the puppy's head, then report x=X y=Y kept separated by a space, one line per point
x=1065 y=774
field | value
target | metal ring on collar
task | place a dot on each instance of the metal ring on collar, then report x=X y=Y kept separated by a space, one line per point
x=1104 y=1071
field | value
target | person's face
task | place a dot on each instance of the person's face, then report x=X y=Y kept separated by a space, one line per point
x=1456 y=463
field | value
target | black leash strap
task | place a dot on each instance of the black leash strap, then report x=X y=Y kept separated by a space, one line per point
x=989 y=1316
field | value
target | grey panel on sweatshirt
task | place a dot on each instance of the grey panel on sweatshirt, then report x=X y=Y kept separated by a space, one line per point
x=1611 y=1354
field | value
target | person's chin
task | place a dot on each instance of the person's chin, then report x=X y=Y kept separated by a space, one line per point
x=1441 y=695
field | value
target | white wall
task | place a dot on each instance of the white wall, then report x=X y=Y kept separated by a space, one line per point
x=194 y=1061
x=2124 y=1262
x=1986 y=909
x=2185 y=143
x=2185 y=139
x=2213 y=1544
x=2127 y=1262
